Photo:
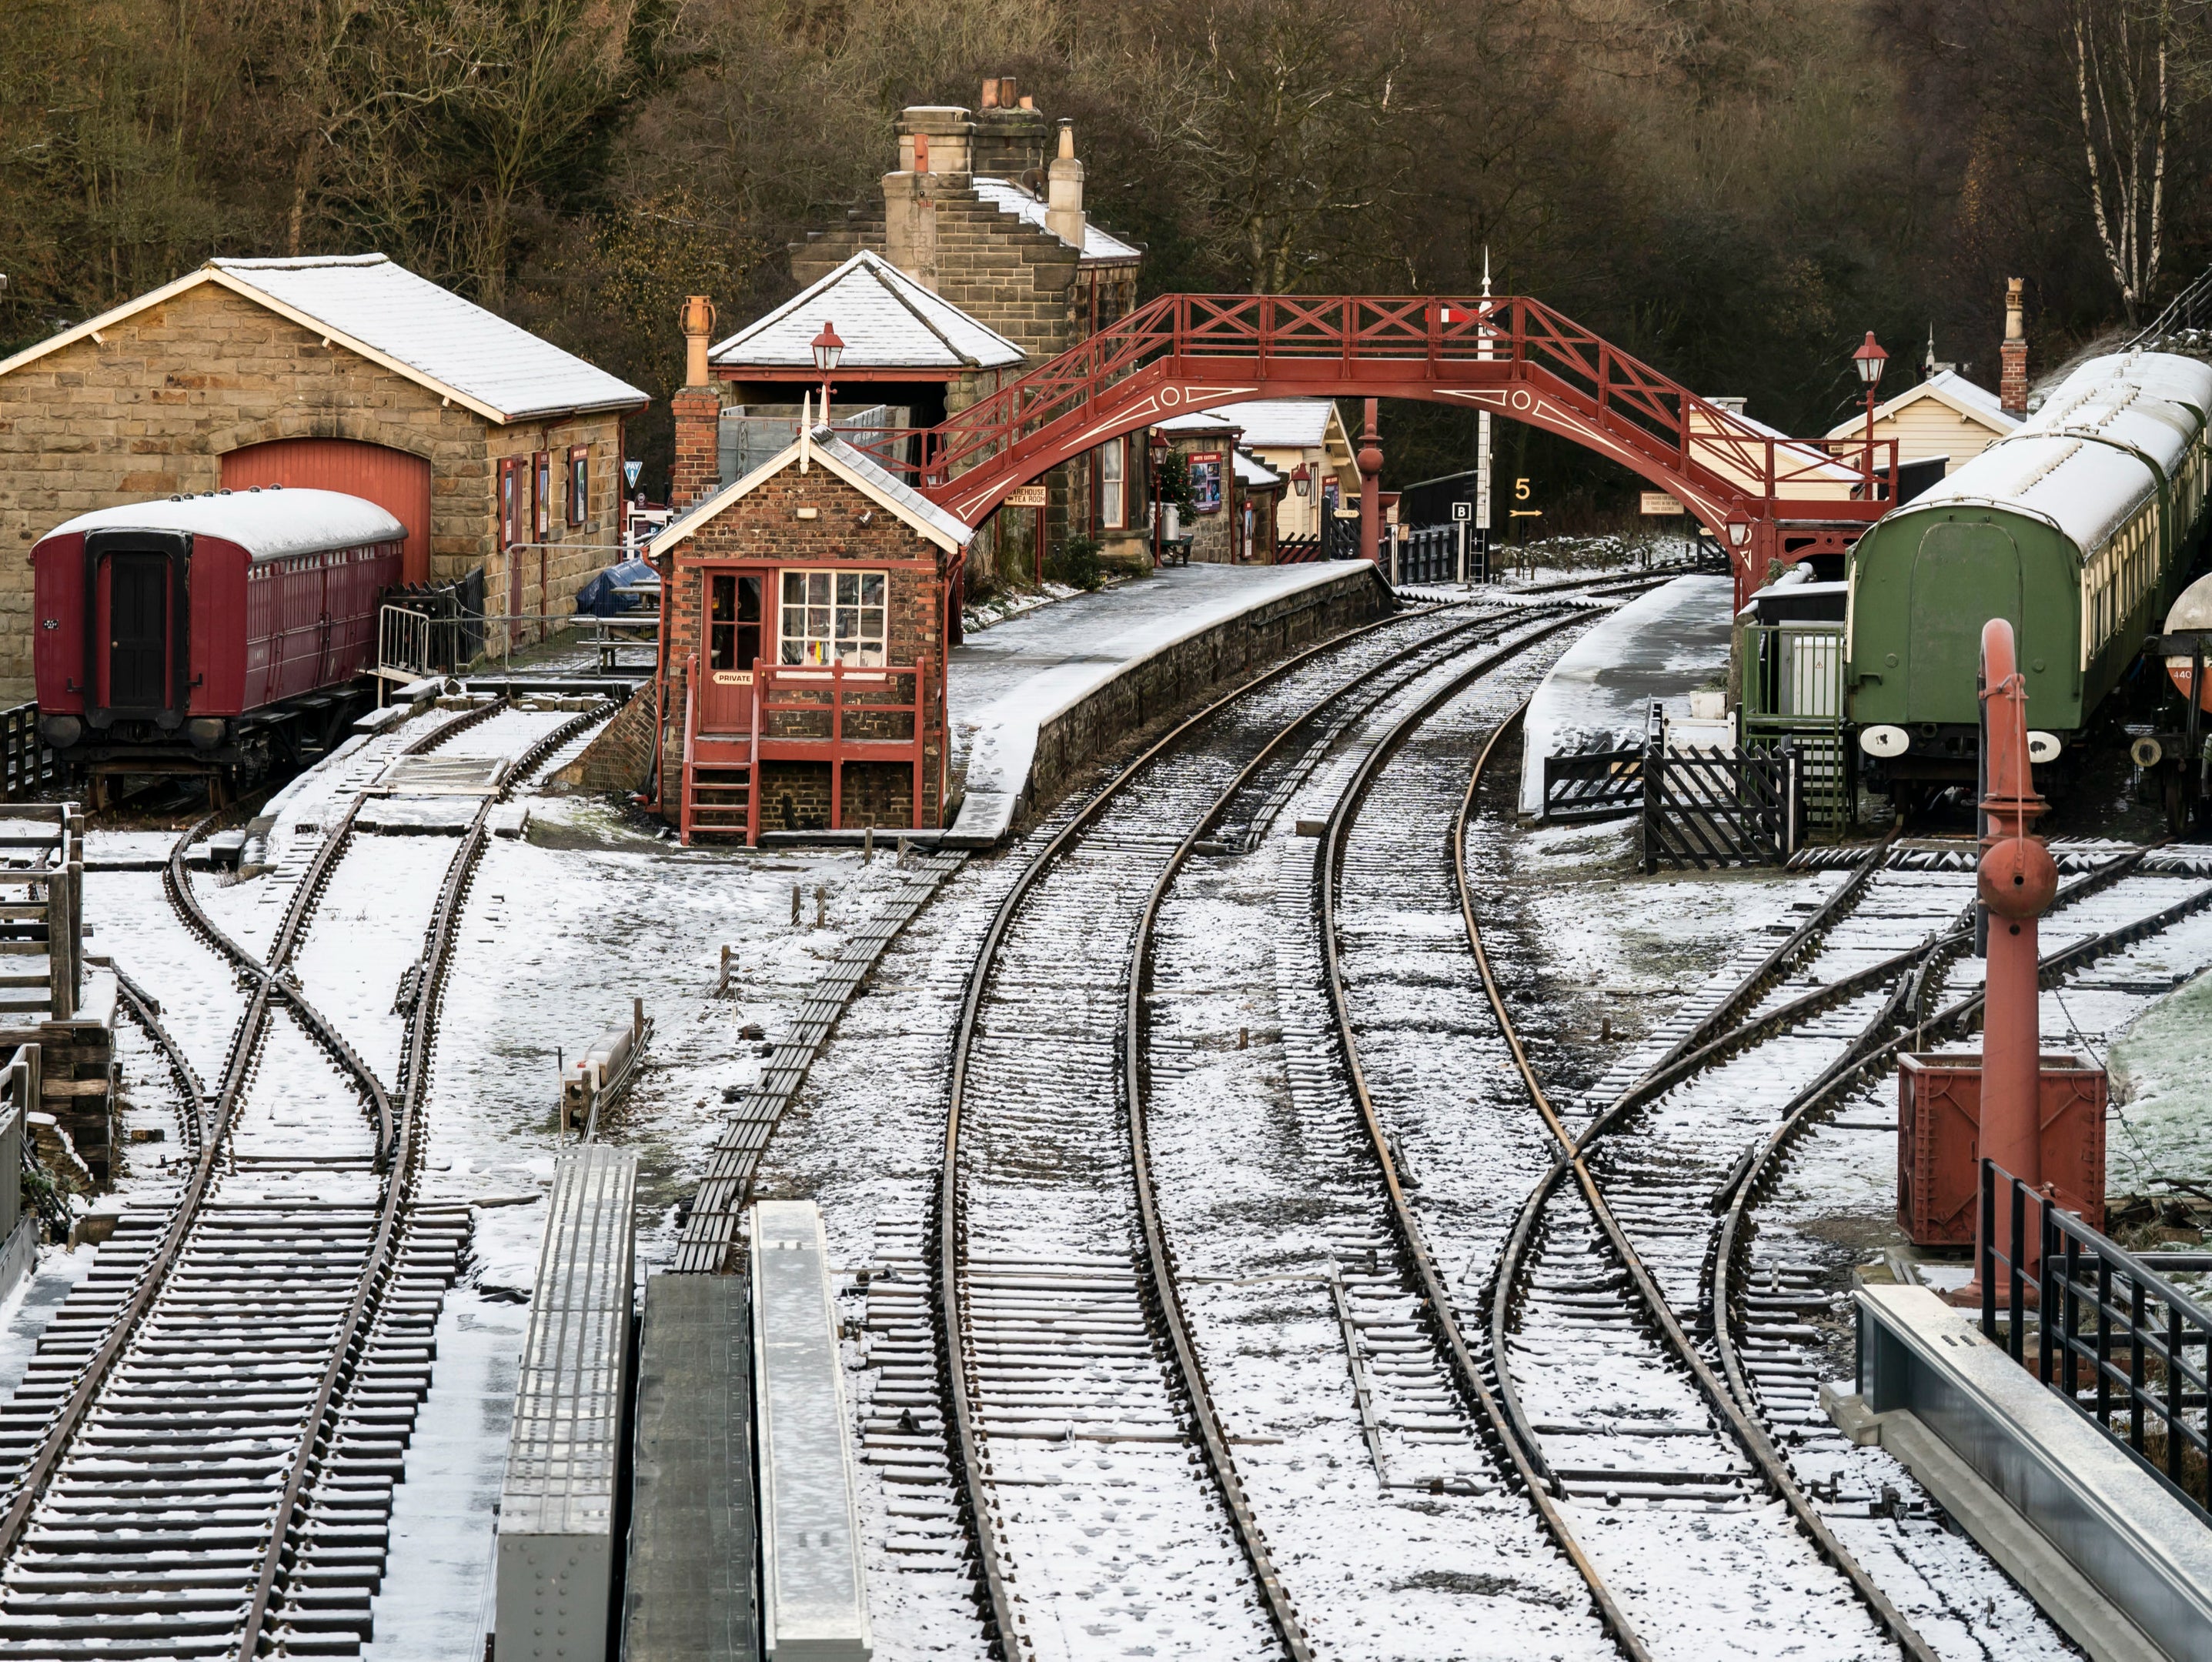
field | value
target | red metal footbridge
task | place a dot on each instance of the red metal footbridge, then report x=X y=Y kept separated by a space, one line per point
x=1762 y=494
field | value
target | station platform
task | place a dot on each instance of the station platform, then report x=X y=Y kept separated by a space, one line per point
x=1034 y=696
x=1659 y=648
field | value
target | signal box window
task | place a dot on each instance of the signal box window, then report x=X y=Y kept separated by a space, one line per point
x=833 y=617
x=733 y=620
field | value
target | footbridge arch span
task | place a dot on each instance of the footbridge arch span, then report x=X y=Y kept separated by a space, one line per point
x=1762 y=494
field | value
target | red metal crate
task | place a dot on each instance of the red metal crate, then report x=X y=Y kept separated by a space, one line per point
x=1939 y=1102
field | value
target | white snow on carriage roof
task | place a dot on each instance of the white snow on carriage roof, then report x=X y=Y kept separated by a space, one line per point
x=269 y=524
x=414 y=325
x=1009 y=198
x=2075 y=463
x=886 y=319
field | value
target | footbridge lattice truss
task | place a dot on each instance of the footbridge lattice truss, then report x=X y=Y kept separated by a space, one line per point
x=1762 y=494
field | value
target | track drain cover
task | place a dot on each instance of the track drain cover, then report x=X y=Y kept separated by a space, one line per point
x=443 y=776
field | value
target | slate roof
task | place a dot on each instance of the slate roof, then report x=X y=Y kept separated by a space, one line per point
x=863 y=472
x=410 y=326
x=1009 y=198
x=1279 y=423
x=1256 y=474
x=886 y=319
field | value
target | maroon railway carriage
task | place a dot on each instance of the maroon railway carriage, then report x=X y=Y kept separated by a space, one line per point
x=225 y=633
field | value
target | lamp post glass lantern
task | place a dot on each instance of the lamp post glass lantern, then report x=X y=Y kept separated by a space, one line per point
x=828 y=348
x=1870 y=360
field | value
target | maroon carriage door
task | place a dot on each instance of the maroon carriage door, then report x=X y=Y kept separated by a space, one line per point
x=396 y=482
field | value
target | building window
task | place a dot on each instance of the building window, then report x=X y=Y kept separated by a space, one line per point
x=1113 y=496
x=833 y=617
x=541 y=495
x=510 y=502
x=580 y=483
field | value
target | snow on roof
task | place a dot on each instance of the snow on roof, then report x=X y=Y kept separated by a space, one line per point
x=1009 y=198
x=1198 y=421
x=269 y=523
x=2085 y=461
x=1256 y=474
x=1280 y=423
x=886 y=319
x=386 y=314
x=1947 y=387
x=861 y=472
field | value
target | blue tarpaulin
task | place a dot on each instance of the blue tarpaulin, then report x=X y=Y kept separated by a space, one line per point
x=601 y=597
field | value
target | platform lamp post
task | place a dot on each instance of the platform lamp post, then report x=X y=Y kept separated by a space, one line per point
x=1870 y=360
x=828 y=349
x=1155 y=456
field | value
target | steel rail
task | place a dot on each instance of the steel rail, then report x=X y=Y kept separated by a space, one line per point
x=146 y=1011
x=1747 y=1431
x=1001 y=1622
x=1466 y=1373
x=1870 y=1050
x=399 y=1184
x=238 y=1067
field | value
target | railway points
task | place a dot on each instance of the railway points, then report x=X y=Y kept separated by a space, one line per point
x=1331 y=1355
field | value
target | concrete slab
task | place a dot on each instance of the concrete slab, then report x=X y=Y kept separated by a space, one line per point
x=692 y=1593
x=1006 y=684
x=1659 y=647
x=2118 y=1559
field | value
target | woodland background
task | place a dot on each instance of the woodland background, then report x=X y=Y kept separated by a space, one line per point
x=1734 y=190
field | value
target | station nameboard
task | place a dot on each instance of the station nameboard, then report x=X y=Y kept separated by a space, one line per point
x=1659 y=503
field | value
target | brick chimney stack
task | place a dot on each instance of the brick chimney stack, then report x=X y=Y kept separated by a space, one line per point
x=698 y=412
x=2012 y=382
x=1063 y=203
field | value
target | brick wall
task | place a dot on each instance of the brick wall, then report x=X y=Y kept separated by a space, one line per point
x=764 y=528
x=152 y=408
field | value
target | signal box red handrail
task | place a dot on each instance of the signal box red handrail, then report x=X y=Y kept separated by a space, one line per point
x=842 y=693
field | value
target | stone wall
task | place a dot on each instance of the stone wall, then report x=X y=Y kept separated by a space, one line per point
x=620 y=759
x=152 y=409
x=1173 y=682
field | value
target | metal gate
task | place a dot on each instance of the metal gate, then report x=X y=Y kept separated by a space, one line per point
x=1706 y=809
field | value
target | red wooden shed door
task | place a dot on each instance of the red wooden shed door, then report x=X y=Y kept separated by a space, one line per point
x=393 y=480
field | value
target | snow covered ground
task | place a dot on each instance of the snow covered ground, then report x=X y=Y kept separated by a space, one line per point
x=1658 y=648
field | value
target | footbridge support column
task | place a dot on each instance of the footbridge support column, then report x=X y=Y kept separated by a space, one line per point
x=1371 y=485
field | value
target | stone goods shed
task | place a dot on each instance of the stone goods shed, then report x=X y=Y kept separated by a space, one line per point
x=496 y=449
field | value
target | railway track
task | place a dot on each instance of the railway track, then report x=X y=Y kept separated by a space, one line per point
x=1063 y=1341
x=201 y=1457
x=1620 y=1234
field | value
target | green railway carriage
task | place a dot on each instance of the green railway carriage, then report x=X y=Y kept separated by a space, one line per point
x=2078 y=528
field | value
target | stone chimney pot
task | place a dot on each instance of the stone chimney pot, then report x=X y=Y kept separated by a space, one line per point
x=2012 y=377
x=1063 y=203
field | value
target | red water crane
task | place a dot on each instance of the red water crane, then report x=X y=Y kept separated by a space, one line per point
x=2016 y=883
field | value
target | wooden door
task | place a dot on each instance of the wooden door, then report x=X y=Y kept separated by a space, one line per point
x=735 y=611
x=137 y=631
x=396 y=482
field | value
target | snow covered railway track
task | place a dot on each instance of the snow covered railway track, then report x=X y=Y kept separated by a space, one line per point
x=1668 y=1482
x=1077 y=1410
x=204 y=1449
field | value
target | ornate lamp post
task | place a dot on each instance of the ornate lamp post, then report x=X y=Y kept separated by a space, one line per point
x=828 y=349
x=1870 y=360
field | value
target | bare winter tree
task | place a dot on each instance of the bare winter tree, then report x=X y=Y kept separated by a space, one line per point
x=2123 y=78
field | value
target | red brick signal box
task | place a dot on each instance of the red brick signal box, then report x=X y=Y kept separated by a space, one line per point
x=805 y=662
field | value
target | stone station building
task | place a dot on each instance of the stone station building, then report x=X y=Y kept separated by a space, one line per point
x=496 y=449
x=983 y=218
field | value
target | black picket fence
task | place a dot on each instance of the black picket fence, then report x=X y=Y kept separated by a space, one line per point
x=1597 y=784
x=1705 y=809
